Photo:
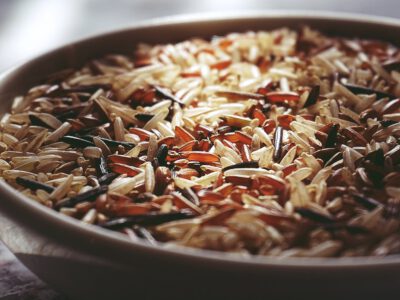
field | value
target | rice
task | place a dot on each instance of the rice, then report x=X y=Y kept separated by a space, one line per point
x=279 y=143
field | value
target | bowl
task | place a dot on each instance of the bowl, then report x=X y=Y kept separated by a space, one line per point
x=87 y=262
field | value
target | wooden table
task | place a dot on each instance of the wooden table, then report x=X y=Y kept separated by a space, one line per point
x=18 y=283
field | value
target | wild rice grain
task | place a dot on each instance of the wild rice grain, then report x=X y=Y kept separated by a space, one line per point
x=34 y=185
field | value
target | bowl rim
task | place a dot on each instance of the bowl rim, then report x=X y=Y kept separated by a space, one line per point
x=35 y=210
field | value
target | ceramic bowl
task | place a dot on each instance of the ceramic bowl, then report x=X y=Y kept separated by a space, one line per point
x=87 y=262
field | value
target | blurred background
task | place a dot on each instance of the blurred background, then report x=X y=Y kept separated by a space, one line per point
x=28 y=27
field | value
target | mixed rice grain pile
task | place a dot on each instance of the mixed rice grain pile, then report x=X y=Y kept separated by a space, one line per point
x=280 y=143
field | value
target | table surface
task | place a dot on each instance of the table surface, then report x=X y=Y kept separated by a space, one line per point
x=18 y=283
x=25 y=31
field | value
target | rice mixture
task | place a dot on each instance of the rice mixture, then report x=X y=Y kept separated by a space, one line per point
x=281 y=143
